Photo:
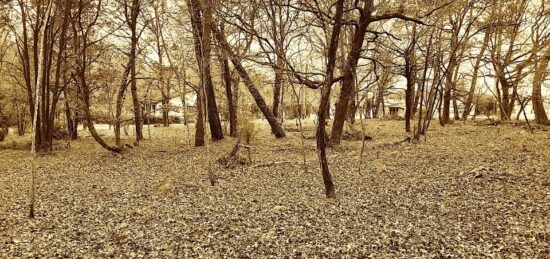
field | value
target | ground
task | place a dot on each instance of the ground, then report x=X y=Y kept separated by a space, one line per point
x=465 y=190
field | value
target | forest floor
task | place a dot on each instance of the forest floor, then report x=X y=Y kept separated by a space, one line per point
x=467 y=190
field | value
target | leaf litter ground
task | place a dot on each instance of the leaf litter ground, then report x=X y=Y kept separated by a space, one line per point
x=469 y=190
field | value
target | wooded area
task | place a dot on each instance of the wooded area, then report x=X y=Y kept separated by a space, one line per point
x=246 y=128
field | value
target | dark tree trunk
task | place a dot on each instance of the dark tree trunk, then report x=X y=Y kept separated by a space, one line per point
x=165 y=111
x=541 y=68
x=277 y=88
x=213 y=116
x=260 y=102
x=201 y=17
x=231 y=109
x=133 y=83
x=410 y=75
x=346 y=92
x=325 y=94
x=199 y=125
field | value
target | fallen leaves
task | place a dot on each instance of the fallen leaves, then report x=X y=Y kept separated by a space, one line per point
x=465 y=192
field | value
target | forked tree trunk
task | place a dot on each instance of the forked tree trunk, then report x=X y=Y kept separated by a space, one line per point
x=119 y=105
x=203 y=24
x=346 y=93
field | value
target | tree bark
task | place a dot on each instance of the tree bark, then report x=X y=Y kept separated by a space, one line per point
x=133 y=82
x=325 y=95
x=410 y=75
x=214 y=122
x=350 y=67
x=475 y=72
x=541 y=70
x=231 y=109
x=268 y=114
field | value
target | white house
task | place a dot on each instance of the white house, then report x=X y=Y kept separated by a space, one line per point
x=175 y=106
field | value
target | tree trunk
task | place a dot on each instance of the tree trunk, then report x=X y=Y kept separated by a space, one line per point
x=541 y=68
x=275 y=127
x=410 y=75
x=475 y=72
x=202 y=31
x=277 y=87
x=216 y=130
x=325 y=94
x=120 y=103
x=231 y=109
x=346 y=92
x=199 y=125
x=133 y=83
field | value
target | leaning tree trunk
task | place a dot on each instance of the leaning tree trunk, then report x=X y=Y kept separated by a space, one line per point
x=91 y=127
x=473 y=84
x=275 y=127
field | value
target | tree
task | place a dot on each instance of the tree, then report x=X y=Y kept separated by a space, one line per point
x=45 y=53
x=325 y=95
x=83 y=26
x=201 y=17
x=260 y=102
x=541 y=59
x=366 y=17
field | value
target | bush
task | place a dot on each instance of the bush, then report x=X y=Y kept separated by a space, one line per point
x=485 y=105
x=248 y=130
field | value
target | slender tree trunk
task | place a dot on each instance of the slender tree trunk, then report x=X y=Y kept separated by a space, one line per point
x=325 y=95
x=410 y=75
x=120 y=104
x=277 y=88
x=473 y=84
x=231 y=109
x=133 y=83
x=199 y=125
